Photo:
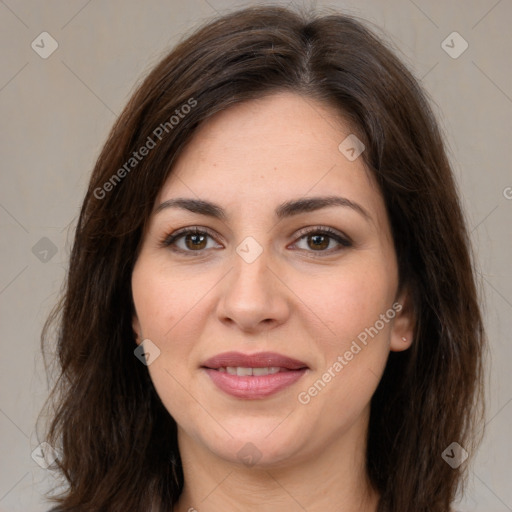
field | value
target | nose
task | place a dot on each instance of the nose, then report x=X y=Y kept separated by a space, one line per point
x=253 y=297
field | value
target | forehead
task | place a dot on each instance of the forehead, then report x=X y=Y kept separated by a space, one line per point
x=264 y=152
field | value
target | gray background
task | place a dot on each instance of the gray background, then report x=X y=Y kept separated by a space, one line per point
x=56 y=112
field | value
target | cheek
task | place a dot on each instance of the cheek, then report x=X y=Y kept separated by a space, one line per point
x=152 y=301
x=352 y=299
x=162 y=302
x=162 y=305
x=171 y=307
x=355 y=350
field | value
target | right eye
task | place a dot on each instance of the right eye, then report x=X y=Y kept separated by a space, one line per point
x=189 y=240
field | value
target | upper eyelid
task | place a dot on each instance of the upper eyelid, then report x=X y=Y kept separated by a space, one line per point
x=320 y=228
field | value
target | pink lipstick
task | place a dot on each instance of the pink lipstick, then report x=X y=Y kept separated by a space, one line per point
x=253 y=376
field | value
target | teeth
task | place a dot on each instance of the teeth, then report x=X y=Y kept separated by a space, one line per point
x=260 y=371
x=243 y=372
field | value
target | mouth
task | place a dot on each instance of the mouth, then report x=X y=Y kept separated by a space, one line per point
x=242 y=371
x=253 y=376
x=260 y=360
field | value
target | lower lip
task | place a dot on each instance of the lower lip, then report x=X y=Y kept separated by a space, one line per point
x=254 y=387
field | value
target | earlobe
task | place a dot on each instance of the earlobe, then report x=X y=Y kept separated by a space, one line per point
x=136 y=330
x=402 y=333
x=403 y=344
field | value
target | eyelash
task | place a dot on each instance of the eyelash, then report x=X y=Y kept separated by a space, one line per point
x=343 y=240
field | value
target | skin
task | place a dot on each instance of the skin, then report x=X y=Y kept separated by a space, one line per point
x=296 y=298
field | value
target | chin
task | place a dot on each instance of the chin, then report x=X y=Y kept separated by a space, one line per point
x=261 y=443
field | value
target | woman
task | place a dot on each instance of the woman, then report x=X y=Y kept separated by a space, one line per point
x=270 y=301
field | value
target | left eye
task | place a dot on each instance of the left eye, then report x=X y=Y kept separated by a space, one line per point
x=324 y=240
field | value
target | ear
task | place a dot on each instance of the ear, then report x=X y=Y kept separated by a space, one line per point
x=136 y=329
x=402 y=331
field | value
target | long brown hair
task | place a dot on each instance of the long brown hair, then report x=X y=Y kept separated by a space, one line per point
x=117 y=443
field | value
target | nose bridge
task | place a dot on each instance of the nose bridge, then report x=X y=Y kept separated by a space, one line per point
x=251 y=274
x=252 y=296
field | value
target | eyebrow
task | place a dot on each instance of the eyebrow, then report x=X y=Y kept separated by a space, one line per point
x=286 y=209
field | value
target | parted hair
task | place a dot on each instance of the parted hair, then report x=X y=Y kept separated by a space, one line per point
x=116 y=442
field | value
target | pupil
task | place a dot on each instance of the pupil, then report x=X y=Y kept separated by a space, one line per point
x=319 y=241
x=195 y=240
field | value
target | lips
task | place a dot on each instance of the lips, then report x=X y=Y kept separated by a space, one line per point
x=258 y=360
x=253 y=376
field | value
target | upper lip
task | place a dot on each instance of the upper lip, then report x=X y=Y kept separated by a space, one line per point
x=257 y=360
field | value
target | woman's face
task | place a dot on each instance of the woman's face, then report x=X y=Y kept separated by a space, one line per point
x=275 y=320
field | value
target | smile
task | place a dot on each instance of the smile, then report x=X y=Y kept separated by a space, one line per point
x=253 y=376
x=241 y=371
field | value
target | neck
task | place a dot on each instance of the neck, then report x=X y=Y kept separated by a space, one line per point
x=330 y=478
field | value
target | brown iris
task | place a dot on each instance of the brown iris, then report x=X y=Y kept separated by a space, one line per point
x=319 y=241
x=195 y=241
